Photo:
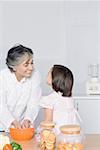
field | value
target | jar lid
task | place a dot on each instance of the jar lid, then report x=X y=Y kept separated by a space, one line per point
x=47 y=124
x=70 y=129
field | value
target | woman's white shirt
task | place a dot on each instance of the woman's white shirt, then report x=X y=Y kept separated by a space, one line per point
x=63 y=109
x=18 y=100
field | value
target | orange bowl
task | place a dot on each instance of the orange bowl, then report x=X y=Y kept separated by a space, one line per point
x=22 y=134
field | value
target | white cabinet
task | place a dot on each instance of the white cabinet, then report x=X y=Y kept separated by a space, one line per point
x=89 y=110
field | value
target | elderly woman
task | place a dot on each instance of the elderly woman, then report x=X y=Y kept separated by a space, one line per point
x=19 y=89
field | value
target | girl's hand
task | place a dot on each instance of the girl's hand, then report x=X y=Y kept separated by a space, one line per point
x=16 y=124
x=26 y=123
x=48 y=114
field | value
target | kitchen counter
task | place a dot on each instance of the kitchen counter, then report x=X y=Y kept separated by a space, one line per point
x=85 y=97
x=92 y=142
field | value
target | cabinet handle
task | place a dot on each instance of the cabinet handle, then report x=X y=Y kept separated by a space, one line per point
x=77 y=106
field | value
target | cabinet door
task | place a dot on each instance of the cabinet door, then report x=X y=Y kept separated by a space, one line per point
x=89 y=111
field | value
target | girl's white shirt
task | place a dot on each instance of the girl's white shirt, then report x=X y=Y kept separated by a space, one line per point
x=18 y=100
x=63 y=108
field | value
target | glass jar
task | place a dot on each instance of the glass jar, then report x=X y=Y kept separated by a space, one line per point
x=47 y=135
x=70 y=138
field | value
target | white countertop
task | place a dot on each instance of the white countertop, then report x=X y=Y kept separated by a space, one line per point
x=91 y=97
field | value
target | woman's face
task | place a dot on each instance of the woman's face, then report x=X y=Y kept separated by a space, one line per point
x=49 y=78
x=25 y=68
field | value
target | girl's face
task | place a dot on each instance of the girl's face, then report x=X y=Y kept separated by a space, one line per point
x=25 y=68
x=49 y=78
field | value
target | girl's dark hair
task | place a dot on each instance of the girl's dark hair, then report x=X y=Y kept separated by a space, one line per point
x=62 y=80
x=15 y=54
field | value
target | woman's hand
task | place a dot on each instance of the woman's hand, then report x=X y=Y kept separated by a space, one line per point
x=16 y=124
x=26 y=123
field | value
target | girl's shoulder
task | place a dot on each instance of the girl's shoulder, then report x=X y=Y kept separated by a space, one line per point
x=67 y=101
x=63 y=98
x=54 y=95
x=58 y=96
x=50 y=96
x=48 y=101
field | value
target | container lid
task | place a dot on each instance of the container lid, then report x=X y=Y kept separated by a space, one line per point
x=47 y=124
x=70 y=129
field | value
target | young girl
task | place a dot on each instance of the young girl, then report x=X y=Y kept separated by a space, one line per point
x=59 y=105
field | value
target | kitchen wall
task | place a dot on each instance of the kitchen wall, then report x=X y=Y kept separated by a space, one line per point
x=64 y=32
x=39 y=25
x=83 y=38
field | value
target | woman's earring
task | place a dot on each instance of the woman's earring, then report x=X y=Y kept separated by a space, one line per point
x=14 y=69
